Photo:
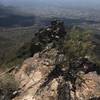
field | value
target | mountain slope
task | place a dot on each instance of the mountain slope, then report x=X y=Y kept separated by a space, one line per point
x=47 y=76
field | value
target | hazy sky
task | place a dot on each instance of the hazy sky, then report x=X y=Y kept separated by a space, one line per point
x=73 y=3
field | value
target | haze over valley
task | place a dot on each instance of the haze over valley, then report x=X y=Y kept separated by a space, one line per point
x=20 y=19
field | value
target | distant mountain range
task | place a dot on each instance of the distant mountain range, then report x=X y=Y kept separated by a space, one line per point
x=10 y=16
x=16 y=17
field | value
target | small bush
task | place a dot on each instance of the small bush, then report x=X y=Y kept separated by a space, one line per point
x=7 y=86
x=79 y=44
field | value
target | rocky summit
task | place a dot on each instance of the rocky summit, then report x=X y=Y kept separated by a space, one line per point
x=46 y=76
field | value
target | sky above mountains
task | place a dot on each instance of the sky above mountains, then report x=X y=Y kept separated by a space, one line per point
x=61 y=3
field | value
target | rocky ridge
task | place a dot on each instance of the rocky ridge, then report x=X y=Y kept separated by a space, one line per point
x=38 y=82
x=42 y=77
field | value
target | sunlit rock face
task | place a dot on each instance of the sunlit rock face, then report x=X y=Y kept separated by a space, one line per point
x=45 y=76
x=37 y=82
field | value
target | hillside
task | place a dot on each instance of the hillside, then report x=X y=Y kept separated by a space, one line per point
x=11 y=40
x=16 y=38
x=19 y=27
x=59 y=65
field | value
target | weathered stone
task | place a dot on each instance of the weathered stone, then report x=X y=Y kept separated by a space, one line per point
x=46 y=76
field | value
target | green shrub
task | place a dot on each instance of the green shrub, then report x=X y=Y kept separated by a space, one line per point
x=8 y=85
x=78 y=44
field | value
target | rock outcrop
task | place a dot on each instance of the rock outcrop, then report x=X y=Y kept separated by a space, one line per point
x=34 y=72
x=54 y=34
x=44 y=77
x=40 y=79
